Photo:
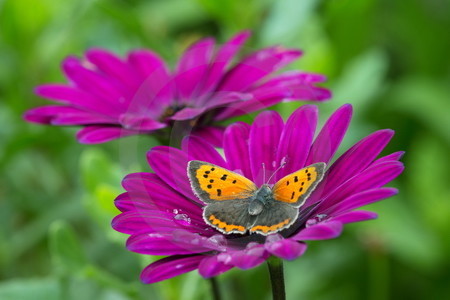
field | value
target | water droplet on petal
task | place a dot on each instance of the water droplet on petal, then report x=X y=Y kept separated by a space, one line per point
x=224 y=258
x=183 y=217
x=155 y=235
x=273 y=238
x=318 y=218
x=219 y=241
x=321 y=217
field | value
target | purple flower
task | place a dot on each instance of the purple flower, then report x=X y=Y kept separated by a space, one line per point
x=164 y=217
x=113 y=97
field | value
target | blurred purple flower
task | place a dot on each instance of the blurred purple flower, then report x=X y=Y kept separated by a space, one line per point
x=164 y=217
x=113 y=97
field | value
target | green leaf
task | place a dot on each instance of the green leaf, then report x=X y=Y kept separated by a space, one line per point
x=361 y=81
x=235 y=14
x=30 y=289
x=405 y=234
x=426 y=100
x=66 y=250
x=97 y=168
x=102 y=179
x=286 y=20
x=427 y=185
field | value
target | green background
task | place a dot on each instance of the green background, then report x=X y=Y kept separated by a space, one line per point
x=390 y=59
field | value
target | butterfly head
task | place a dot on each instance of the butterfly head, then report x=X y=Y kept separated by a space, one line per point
x=264 y=193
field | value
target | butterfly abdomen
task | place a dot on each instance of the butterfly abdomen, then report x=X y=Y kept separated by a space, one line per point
x=255 y=207
x=262 y=197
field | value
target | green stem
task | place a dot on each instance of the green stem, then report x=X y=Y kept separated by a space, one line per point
x=215 y=288
x=276 y=278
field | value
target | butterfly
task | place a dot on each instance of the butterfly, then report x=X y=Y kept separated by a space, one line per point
x=234 y=204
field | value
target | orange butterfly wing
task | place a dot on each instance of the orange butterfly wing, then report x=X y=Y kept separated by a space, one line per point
x=213 y=183
x=296 y=187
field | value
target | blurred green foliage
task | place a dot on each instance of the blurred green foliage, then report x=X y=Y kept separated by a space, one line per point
x=388 y=58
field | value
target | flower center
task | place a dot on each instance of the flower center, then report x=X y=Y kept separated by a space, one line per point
x=171 y=110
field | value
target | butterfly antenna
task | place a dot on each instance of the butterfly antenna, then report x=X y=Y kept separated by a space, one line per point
x=274 y=172
x=264 y=172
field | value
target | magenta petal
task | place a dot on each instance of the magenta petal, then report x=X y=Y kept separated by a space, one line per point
x=134 y=222
x=222 y=59
x=193 y=240
x=101 y=134
x=157 y=221
x=330 y=137
x=153 y=221
x=198 y=149
x=77 y=98
x=170 y=164
x=124 y=202
x=211 y=134
x=235 y=144
x=246 y=107
x=188 y=113
x=211 y=266
x=224 y=100
x=292 y=78
x=140 y=123
x=373 y=177
x=146 y=63
x=263 y=142
x=160 y=244
x=151 y=187
x=253 y=255
x=320 y=231
x=47 y=114
x=290 y=90
x=176 y=242
x=93 y=83
x=296 y=139
x=170 y=267
x=284 y=248
x=192 y=68
x=114 y=67
x=256 y=66
x=185 y=214
x=394 y=156
x=156 y=90
x=81 y=118
x=353 y=161
x=308 y=92
x=360 y=199
x=359 y=156
x=355 y=216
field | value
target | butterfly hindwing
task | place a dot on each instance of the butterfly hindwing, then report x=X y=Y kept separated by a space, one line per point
x=296 y=187
x=275 y=217
x=213 y=183
x=229 y=216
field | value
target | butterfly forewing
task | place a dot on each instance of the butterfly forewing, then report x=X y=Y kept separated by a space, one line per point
x=214 y=183
x=296 y=187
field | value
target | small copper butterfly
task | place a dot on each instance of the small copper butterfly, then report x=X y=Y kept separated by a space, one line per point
x=234 y=204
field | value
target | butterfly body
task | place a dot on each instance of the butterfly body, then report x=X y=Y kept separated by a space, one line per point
x=234 y=204
x=262 y=197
